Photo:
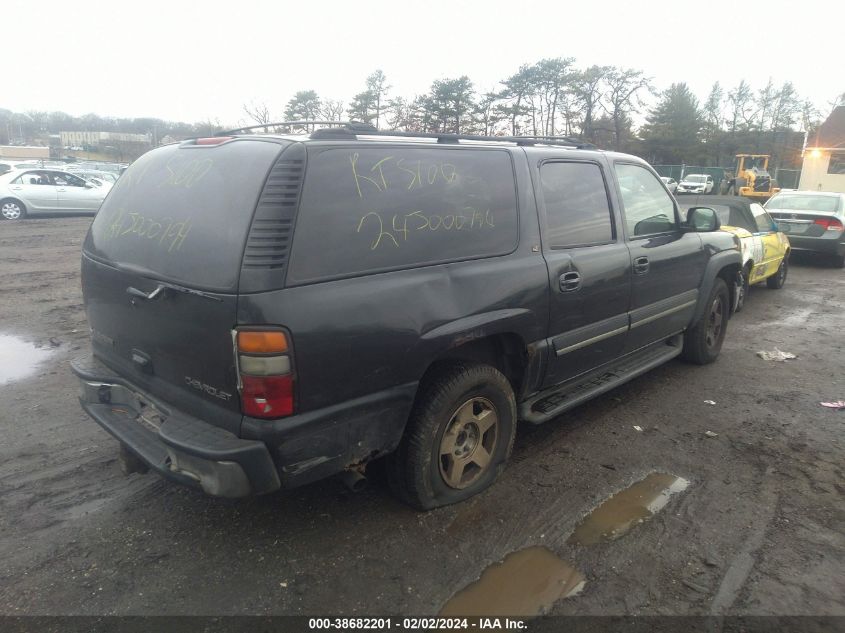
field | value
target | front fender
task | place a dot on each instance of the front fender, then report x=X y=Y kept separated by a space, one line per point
x=731 y=259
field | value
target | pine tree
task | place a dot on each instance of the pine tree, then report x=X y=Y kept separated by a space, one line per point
x=673 y=127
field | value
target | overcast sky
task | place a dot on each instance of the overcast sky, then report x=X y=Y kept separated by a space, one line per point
x=194 y=61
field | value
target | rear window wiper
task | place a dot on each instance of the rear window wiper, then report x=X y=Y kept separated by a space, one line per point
x=161 y=285
x=164 y=285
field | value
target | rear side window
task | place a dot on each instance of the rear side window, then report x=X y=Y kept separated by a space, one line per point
x=763 y=220
x=577 y=210
x=182 y=213
x=374 y=209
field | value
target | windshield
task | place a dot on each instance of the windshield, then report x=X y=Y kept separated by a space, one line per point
x=696 y=178
x=807 y=202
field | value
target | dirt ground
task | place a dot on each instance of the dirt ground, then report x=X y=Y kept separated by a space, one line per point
x=759 y=530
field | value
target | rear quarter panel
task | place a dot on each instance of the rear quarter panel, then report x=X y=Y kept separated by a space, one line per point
x=360 y=335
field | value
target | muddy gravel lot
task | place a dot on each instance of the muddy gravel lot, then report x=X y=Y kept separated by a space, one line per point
x=748 y=521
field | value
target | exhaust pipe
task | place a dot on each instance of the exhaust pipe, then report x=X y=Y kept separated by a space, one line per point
x=353 y=480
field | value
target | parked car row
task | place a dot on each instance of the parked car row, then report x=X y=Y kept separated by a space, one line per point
x=765 y=249
x=25 y=192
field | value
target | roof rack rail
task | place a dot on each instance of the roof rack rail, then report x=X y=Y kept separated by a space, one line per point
x=443 y=137
x=349 y=129
x=351 y=125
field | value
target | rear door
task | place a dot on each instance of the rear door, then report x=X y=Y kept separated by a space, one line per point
x=588 y=264
x=667 y=263
x=161 y=266
x=771 y=248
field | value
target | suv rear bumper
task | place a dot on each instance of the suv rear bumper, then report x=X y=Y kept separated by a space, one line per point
x=179 y=447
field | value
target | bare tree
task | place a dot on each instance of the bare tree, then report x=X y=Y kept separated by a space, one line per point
x=786 y=107
x=258 y=112
x=741 y=101
x=332 y=110
x=623 y=97
x=712 y=112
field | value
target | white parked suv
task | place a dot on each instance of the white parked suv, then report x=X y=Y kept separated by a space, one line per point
x=696 y=183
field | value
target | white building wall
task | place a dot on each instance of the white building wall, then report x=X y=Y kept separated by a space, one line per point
x=814 y=176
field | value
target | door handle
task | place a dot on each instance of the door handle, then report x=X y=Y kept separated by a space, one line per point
x=569 y=282
x=16 y=188
x=61 y=189
x=641 y=265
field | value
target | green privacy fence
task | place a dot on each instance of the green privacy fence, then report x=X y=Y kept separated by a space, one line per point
x=788 y=178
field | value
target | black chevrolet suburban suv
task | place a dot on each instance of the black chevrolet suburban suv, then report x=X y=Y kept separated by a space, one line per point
x=267 y=310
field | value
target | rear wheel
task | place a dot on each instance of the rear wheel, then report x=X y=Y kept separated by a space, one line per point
x=777 y=280
x=12 y=209
x=703 y=342
x=458 y=438
x=839 y=261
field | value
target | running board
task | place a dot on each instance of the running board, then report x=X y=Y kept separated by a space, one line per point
x=552 y=402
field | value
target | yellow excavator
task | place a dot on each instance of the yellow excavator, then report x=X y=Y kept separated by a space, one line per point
x=751 y=178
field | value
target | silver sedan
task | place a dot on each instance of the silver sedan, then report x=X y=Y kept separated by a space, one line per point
x=42 y=191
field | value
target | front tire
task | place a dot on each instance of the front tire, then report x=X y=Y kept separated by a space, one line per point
x=458 y=438
x=11 y=209
x=776 y=281
x=703 y=342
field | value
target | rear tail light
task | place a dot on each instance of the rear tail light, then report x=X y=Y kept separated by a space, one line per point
x=831 y=224
x=266 y=375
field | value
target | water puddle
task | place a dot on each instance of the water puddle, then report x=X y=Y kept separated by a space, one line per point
x=625 y=509
x=18 y=359
x=527 y=582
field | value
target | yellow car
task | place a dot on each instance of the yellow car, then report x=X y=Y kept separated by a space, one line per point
x=765 y=250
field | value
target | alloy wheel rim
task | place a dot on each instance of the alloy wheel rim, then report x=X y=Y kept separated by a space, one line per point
x=467 y=446
x=714 y=323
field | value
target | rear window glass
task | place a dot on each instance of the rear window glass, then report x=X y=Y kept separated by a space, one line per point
x=803 y=203
x=383 y=208
x=183 y=213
